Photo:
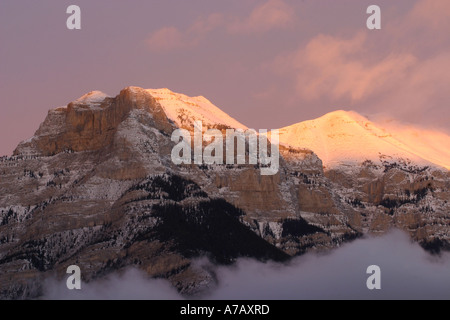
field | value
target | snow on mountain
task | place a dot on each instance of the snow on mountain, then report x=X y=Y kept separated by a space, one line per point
x=343 y=138
x=184 y=110
x=431 y=144
x=92 y=98
x=96 y=187
x=340 y=138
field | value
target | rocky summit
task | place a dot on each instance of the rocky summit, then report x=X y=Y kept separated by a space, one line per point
x=96 y=187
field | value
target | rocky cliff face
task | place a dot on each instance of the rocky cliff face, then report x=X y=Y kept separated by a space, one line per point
x=91 y=122
x=96 y=187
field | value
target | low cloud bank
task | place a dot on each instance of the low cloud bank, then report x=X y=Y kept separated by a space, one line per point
x=407 y=272
x=130 y=285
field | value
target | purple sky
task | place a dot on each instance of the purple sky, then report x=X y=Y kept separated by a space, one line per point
x=268 y=63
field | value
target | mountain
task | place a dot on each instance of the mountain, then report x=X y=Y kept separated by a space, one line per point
x=343 y=138
x=96 y=187
x=184 y=110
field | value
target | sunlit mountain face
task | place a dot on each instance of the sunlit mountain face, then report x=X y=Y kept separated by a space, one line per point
x=96 y=187
x=347 y=138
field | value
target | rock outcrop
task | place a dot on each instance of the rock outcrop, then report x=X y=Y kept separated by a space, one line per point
x=96 y=187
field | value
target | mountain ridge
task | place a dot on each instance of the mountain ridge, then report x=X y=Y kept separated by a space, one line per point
x=346 y=137
x=96 y=187
x=343 y=138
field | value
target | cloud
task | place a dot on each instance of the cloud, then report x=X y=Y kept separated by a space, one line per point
x=400 y=69
x=171 y=38
x=132 y=284
x=167 y=38
x=424 y=92
x=273 y=14
x=203 y=25
x=407 y=272
x=342 y=68
x=431 y=14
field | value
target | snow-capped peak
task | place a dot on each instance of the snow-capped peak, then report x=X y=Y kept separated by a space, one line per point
x=92 y=98
x=345 y=137
x=184 y=110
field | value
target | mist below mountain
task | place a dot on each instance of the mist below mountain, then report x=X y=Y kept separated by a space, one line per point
x=407 y=272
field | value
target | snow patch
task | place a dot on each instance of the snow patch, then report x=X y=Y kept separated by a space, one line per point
x=183 y=109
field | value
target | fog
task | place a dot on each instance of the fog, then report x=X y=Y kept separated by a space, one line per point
x=129 y=285
x=407 y=272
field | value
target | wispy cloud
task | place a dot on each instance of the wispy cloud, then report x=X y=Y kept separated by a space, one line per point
x=430 y=14
x=342 y=68
x=273 y=14
x=167 y=38
x=131 y=284
x=400 y=68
